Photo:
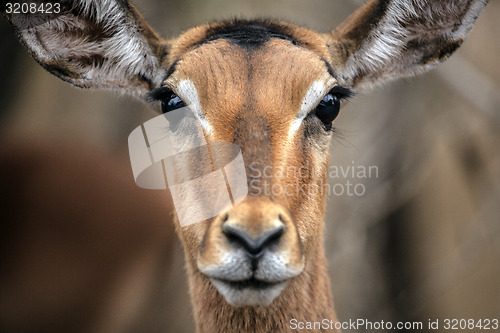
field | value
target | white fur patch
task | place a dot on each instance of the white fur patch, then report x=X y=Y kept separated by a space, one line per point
x=127 y=45
x=313 y=95
x=249 y=296
x=236 y=266
x=187 y=92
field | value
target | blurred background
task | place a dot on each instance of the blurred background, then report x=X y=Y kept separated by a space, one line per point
x=84 y=250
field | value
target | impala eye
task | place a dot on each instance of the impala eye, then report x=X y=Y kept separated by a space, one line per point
x=171 y=103
x=328 y=109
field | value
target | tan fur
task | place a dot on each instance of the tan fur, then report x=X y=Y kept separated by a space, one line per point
x=251 y=96
x=224 y=85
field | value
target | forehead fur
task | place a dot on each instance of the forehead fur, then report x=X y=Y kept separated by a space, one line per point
x=249 y=34
x=263 y=85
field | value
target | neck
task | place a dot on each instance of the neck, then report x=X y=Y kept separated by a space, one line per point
x=307 y=298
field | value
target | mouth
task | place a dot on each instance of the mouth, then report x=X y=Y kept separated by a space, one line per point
x=250 y=283
x=249 y=292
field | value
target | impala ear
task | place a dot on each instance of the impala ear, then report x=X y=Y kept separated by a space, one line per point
x=388 y=39
x=94 y=44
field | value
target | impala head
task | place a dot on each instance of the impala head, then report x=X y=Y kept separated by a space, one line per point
x=272 y=88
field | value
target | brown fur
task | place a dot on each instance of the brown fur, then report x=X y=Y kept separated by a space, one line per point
x=251 y=96
x=238 y=109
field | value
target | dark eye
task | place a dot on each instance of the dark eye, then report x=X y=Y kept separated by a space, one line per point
x=328 y=109
x=171 y=103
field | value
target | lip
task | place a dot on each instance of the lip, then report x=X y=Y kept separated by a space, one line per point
x=250 y=283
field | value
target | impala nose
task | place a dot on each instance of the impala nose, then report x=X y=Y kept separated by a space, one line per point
x=254 y=245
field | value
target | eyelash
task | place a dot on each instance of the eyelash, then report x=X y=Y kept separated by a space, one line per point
x=342 y=93
x=163 y=92
x=159 y=94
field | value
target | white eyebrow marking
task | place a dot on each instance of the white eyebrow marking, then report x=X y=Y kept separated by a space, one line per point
x=187 y=92
x=315 y=92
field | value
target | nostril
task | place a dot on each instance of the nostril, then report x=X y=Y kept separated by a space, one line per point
x=271 y=237
x=253 y=246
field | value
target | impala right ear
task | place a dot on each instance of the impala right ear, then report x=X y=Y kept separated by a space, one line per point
x=94 y=44
x=387 y=39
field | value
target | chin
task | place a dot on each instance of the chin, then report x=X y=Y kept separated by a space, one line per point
x=249 y=292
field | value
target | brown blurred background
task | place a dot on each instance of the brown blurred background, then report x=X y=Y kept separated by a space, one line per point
x=84 y=250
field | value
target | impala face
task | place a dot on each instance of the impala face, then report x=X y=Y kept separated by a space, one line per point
x=274 y=90
x=262 y=92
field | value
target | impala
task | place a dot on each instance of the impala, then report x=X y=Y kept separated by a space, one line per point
x=271 y=88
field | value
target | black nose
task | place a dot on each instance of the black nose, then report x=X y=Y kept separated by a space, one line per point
x=254 y=246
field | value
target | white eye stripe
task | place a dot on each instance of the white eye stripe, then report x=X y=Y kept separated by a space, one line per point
x=188 y=93
x=315 y=92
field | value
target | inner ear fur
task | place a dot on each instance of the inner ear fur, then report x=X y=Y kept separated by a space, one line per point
x=388 y=39
x=95 y=44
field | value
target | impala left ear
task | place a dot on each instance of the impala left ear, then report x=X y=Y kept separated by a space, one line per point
x=94 y=44
x=387 y=39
